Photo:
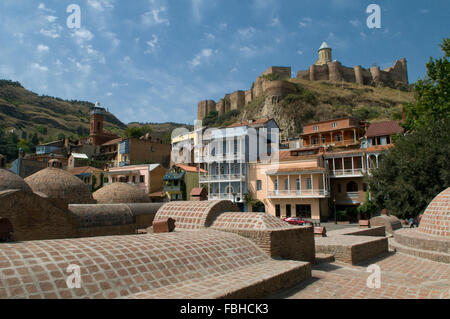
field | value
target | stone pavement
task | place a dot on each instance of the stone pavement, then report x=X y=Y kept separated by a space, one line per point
x=402 y=277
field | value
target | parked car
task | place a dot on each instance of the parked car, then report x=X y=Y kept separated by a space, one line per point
x=298 y=221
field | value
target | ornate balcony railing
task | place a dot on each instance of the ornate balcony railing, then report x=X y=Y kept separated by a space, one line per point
x=215 y=196
x=316 y=193
x=222 y=177
x=357 y=172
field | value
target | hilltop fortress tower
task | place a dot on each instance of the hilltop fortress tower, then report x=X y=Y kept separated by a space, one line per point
x=275 y=81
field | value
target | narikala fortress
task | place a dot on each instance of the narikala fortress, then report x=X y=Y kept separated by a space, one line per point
x=275 y=81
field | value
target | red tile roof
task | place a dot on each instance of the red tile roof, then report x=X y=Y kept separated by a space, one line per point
x=384 y=128
x=114 y=141
x=188 y=168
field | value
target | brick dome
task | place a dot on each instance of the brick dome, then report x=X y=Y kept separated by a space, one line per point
x=60 y=184
x=9 y=180
x=436 y=219
x=121 y=193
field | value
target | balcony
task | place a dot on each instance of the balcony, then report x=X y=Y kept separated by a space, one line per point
x=341 y=173
x=222 y=178
x=220 y=158
x=316 y=193
x=230 y=197
x=172 y=189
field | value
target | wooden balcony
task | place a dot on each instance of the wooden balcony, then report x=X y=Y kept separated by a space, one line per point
x=316 y=193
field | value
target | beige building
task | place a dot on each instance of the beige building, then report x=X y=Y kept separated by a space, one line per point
x=298 y=186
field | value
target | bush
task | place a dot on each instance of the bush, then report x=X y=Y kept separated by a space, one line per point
x=291 y=98
x=309 y=97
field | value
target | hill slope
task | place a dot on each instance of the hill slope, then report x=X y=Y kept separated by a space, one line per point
x=24 y=110
x=321 y=100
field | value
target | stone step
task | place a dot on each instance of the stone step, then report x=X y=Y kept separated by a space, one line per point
x=421 y=253
x=323 y=258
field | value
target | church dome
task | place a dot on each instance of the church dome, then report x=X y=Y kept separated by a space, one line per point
x=436 y=218
x=57 y=183
x=9 y=180
x=121 y=193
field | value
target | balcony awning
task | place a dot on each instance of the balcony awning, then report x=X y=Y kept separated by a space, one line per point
x=296 y=170
x=173 y=176
x=123 y=173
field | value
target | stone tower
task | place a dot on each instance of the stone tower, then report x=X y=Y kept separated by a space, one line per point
x=97 y=118
x=324 y=54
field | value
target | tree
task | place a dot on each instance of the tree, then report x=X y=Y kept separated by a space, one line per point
x=137 y=131
x=432 y=93
x=414 y=171
x=211 y=118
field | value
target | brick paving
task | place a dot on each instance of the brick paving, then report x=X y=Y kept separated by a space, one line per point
x=402 y=277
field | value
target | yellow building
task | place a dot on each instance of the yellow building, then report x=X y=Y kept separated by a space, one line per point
x=298 y=185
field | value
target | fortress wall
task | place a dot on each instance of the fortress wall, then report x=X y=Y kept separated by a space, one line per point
x=303 y=75
x=348 y=74
x=202 y=110
x=258 y=87
x=227 y=100
x=321 y=73
x=221 y=107
x=334 y=71
x=280 y=88
x=211 y=105
x=248 y=96
x=281 y=71
x=237 y=100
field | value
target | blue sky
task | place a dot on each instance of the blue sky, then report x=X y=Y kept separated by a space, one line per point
x=153 y=60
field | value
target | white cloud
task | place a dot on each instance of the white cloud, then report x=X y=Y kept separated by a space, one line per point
x=305 y=22
x=42 y=48
x=51 y=18
x=109 y=94
x=247 y=32
x=202 y=56
x=39 y=67
x=152 y=45
x=197 y=9
x=53 y=32
x=275 y=22
x=42 y=7
x=247 y=51
x=355 y=23
x=155 y=16
x=363 y=35
x=82 y=35
x=223 y=26
x=101 y=5
x=299 y=52
x=210 y=36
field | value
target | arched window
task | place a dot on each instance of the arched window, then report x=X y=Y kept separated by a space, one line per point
x=352 y=187
x=229 y=190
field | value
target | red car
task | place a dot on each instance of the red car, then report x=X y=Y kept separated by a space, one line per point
x=297 y=221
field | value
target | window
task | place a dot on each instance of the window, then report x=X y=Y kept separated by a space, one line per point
x=288 y=210
x=278 y=210
x=235 y=147
x=338 y=138
x=352 y=187
x=315 y=141
x=303 y=211
x=388 y=139
x=309 y=183
x=316 y=128
x=153 y=148
x=286 y=184
x=258 y=185
x=134 y=179
x=334 y=125
x=141 y=179
x=276 y=184
x=297 y=183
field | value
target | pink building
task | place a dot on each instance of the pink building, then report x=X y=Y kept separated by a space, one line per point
x=148 y=177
